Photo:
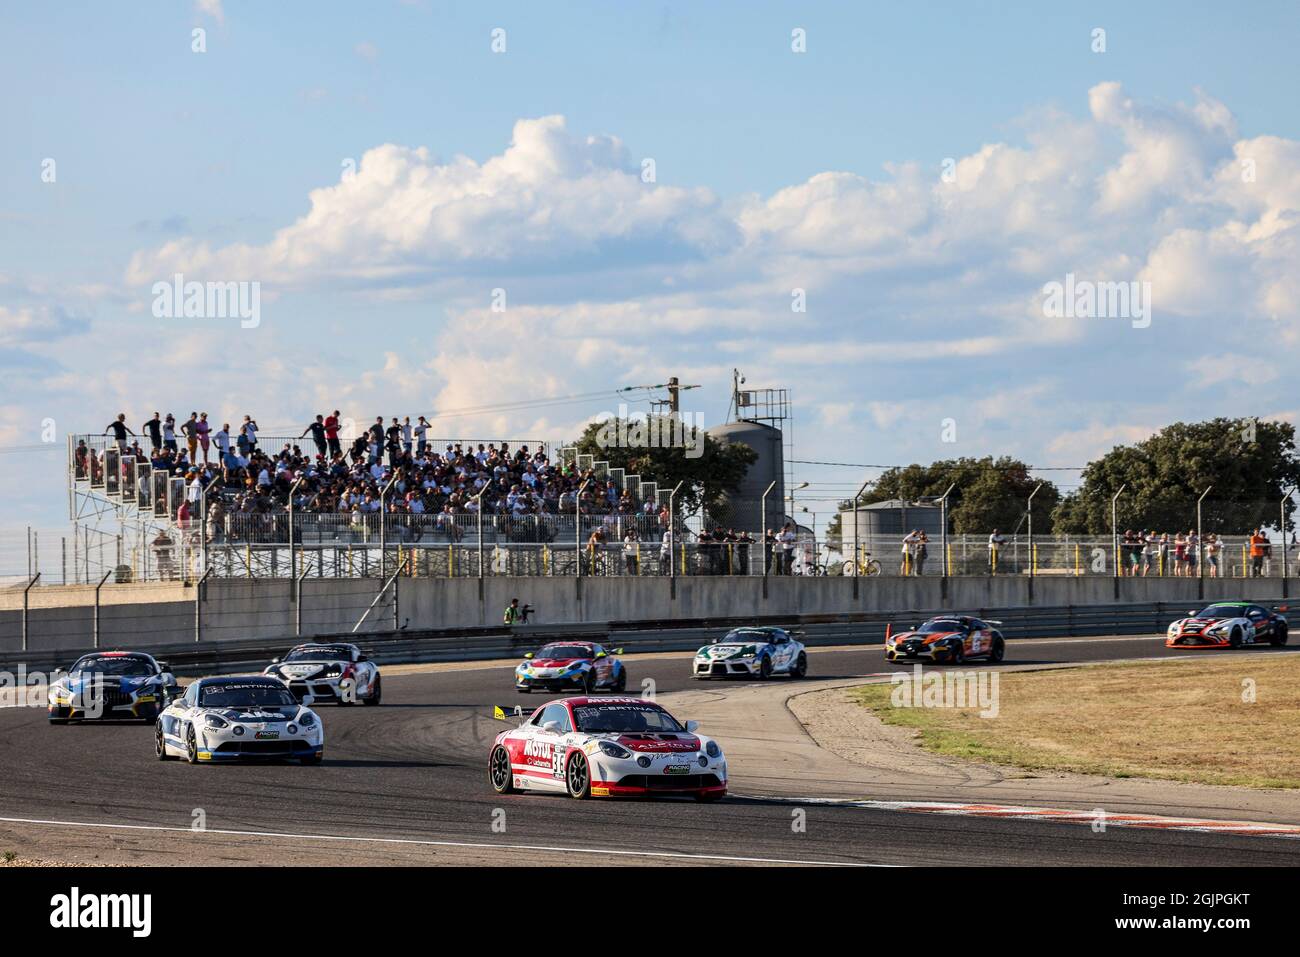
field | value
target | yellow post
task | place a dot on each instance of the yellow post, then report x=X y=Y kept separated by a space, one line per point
x=546 y=560
x=451 y=561
x=248 y=559
x=1077 y=566
x=1243 y=561
x=1033 y=558
x=947 y=561
x=349 y=561
x=683 y=547
x=638 y=558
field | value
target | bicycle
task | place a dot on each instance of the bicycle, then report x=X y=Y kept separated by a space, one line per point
x=867 y=567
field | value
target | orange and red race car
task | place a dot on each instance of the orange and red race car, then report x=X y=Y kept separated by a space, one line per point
x=1229 y=624
x=947 y=638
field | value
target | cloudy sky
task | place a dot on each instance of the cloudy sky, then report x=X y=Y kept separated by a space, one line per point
x=650 y=187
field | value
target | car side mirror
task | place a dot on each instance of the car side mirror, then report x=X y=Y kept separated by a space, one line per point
x=1192 y=613
x=692 y=726
x=308 y=700
x=163 y=667
x=600 y=654
x=275 y=661
x=529 y=655
x=551 y=726
x=619 y=651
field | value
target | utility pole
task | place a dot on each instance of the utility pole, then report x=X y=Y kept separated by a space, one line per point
x=674 y=398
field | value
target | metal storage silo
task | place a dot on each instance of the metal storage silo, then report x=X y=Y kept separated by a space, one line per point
x=746 y=504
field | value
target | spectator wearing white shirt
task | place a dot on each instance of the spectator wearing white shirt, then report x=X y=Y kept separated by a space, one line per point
x=631 y=551
x=996 y=542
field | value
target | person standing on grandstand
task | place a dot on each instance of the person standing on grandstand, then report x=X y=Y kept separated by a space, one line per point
x=785 y=541
x=120 y=431
x=376 y=439
x=666 y=552
x=251 y=425
x=421 y=430
x=203 y=430
x=996 y=541
x=169 y=433
x=406 y=435
x=153 y=428
x=189 y=429
x=317 y=430
x=393 y=442
x=631 y=551
x=332 y=433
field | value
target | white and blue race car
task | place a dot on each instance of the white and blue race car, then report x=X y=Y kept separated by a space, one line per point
x=111 y=685
x=239 y=718
x=759 y=651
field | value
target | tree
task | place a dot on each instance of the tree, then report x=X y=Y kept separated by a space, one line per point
x=709 y=469
x=1251 y=464
x=990 y=493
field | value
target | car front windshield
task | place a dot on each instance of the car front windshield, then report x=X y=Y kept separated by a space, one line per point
x=321 y=653
x=938 y=625
x=245 y=696
x=118 y=667
x=629 y=718
x=565 y=651
x=1222 y=611
x=750 y=636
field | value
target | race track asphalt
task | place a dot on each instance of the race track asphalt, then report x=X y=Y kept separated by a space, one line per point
x=414 y=769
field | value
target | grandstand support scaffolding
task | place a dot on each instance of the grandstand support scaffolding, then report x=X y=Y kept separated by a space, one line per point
x=390 y=583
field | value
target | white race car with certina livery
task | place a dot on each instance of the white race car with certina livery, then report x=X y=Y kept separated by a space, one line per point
x=606 y=747
x=234 y=719
x=333 y=671
x=760 y=651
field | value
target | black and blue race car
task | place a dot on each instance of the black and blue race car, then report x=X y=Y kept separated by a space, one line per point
x=112 y=685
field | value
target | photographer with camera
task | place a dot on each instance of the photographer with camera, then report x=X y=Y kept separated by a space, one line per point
x=516 y=615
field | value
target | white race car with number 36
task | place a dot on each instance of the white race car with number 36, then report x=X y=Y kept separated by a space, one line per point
x=606 y=747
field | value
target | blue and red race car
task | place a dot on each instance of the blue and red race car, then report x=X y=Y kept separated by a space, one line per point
x=571 y=665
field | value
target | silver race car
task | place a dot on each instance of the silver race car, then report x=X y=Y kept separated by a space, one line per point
x=234 y=719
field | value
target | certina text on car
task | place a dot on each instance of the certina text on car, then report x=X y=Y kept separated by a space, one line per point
x=607 y=747
x=332 y=671
x=232 y=719
x=111 y=684
x=1228 y=624
x=761 y=651
x=947 y=638
x=571 y=666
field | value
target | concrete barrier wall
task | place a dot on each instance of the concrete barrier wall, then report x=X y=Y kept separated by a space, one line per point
x=242 y=609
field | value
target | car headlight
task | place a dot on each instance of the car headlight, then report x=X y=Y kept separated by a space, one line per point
x=307 y=719
x=749 y=651
x=712 y=749
x=614 y=750
x=215 y=721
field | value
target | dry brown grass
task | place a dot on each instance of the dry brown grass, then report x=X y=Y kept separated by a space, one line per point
x=1177 y=721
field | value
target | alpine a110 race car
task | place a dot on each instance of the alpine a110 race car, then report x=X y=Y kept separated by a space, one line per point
x=950 y=639
x=232 y=719
x=112 y=684
x=571 y=666
x=1228 y=624
x=606 y=747
x=760 y=651
x=336 y=672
